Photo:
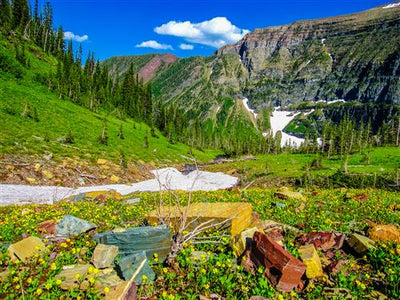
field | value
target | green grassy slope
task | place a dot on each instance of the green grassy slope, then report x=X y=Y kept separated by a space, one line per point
x=23 y=135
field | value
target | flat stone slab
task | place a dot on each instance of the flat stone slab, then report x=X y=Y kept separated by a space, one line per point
x=71 y=275
x=361 y=244
x=70 y=226
x=27 y=248
x=135 y=240
x=239 y=212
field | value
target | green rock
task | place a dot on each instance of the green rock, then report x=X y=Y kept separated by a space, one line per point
x=135 y=240
x=70 y=226
x=361 y=244
x=135 y=268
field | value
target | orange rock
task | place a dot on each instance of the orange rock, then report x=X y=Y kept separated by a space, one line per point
x=385 y=233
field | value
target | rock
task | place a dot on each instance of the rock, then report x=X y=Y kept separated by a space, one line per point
x=48 y=227
x=197 y=257
x=280 y=205
x=30 y=180
x=310 y=258
x=281 y=268
x=135 y=240
x=132 y=201
x=335 y=267
x=323 y=240
x=240 y=214
x=123 y=291
x=27 y=248
x=384 y=233
x=70 y=276
x=361 y=244
x=134 y=267
x=102 y=161
x=270 y=225
x=78 y=198
x=285 y=193
x=104 y=255
x=4 y=275
x=243 y=241
x=337 y=293
x=70 y=226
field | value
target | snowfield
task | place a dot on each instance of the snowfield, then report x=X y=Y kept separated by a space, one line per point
x=168 y=178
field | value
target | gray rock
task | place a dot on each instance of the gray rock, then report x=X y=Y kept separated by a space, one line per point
x=134 y=267
x=132 y=201
x=135 y=240
x=70 y=226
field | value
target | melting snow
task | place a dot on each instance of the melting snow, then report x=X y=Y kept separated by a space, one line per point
x=168 y=178
x=279 y=120
x=393 y=5
x=246 y=104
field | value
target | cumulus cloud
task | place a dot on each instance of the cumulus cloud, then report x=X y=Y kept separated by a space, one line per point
x=68 y=35
x=216 y=32
x=186 y=47
x=154 y=45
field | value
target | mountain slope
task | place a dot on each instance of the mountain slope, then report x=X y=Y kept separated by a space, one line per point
x=354 y=57
x=35 y=121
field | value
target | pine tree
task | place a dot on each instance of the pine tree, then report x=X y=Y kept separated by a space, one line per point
x=5 y=14
x=20 y=13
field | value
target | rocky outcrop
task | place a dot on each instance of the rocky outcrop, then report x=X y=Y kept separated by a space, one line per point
x=354 y=57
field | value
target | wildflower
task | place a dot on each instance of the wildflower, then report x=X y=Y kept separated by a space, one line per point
x=203 y=271
x=90 y=270
x=206 y=286
x=106 y=289
x=293 y=294
x=16 y=279
x=58 y=281
x=91 y=280
x=144 y=278
x=77 y=275
x=39 y=291
x=164 y=294
x=53 y=266
x=165 y=270
x=17 y=287
x=280 y=297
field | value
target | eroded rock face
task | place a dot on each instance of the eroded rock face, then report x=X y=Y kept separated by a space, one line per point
x=330 y=58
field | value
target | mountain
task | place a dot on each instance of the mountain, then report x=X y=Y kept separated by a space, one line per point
x=146 y=66
x=354 y=57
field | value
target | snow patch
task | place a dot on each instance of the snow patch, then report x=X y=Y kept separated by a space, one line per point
x=279 y=120
x=167 y=178
x=392 y=5
x=246 y=104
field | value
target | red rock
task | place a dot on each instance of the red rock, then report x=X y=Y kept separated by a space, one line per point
x=339 y=240
x=334 y=267
x=281 y=268
x=48 y=227
x=322 y=240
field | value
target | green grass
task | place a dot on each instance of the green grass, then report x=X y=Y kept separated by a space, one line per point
x=286 y=166
x=23 y=135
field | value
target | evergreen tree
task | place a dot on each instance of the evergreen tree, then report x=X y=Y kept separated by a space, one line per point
x=5 y=14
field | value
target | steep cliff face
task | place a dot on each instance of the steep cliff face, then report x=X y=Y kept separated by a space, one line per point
x=354 y=57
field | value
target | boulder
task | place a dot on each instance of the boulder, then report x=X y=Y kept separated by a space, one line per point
x=243 y=241
x=323 y=240
x=47 y=227
x=134 y=267
x=135 y=240
x=104 y=255
x=384 y=233
x=361 y=244
x=27 y=248
x=71 y=275
x=239 y=214
x=281 y=268
x=310 y=258
x=285 y=193
x=70 y=226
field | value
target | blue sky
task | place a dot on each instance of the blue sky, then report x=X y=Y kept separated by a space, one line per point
x=182 y=27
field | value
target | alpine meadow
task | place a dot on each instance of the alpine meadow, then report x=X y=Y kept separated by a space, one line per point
x=204 y=161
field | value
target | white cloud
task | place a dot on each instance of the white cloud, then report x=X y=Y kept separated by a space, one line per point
x=68 y=35
x=186 y=47
x=216 y=32
x=154 y=45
